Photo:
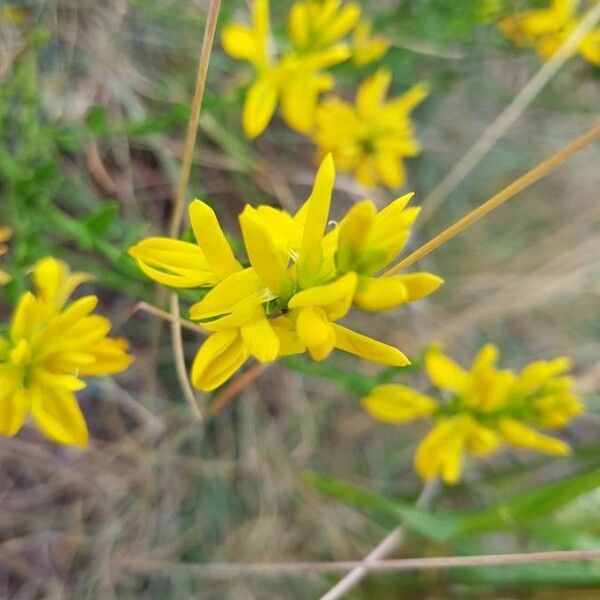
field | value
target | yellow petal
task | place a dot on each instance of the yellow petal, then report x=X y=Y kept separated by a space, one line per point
x=110 y=356
x=25 y=317
x=334 y=298
x=410 y=99
x=419 y=285
x=298 y=25
x=393 y=403
x=589 y=47
x=58 y=415
x=352 y=234
x=444 y=372
x=15 y=408
x=520 y=435
x=55 y=282
x=239 y=42
x=267 y=260
x=380 y=293
x=486 y=358
x=260 y=339
x=440 y=453
x=224 y=297
x=259 y=105
x=317 y=213
x=173 y=262
x=390 y=168
x=314 y=328
x=343 y=22
x=367 y=48
x=288 y=338
x=371 y=93
x=368 y=348
x=219 y=357
x=212 y=240
x=480 y=440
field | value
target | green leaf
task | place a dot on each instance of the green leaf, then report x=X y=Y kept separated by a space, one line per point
x=435 y=526
x=522 y=509
x=518 y=511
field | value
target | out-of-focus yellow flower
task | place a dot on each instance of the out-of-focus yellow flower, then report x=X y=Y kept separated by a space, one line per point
x=367 y=48
x=50 y=345
x=12 y=14
x=296 y=78
x=480 y=409
x=302 y=279
x=370 y=138
x=545 y=29
x=5 y=235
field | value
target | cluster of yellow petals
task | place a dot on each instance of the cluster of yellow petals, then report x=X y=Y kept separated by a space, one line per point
x=296 y=77
x=371 y=137
x=5 y=235
x=545 y=29
x=301 y=280
x=51 y=343
x=480 y=409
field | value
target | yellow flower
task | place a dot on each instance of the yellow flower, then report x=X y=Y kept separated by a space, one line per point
x=480 y=409
x=371 y=138
x=545 y=29
x=5 y=235
x=51 y=344
x=367 y=48
x=299 y=76
x=301 y=280
x=367 y=242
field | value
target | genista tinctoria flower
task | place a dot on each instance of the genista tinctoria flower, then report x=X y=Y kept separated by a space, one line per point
x=301 y=281
x=545 y=29
x=479 y=409
x=51 y=344
x=371 y=138
x=295 y=77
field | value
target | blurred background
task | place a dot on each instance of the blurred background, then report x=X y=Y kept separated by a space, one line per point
x=94 y=98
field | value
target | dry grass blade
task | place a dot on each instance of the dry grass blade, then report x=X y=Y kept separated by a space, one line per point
x=181 y=191
x=509 y=115
x=500 y=198
x=166 y=316
x=230 y=570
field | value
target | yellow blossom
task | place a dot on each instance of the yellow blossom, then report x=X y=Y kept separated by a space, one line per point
x=5 y=235
x=545 y=29
x=296 y=78
x=51 y=344
x=367 y=48
x=368 y=241
x=479 y=409
x=371 y=138
x=301 y=280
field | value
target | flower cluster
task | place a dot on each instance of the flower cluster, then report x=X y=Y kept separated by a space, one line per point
x=5 y=235
x=50 y=344
x=297 y=76
x=480 y=408
x=545 y=29
x=371 y=137
x=301 y=280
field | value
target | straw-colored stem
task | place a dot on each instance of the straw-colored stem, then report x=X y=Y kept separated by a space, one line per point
x=179 y=356
x=166 y=316
x=181 y=193
x=509 y=115
x=500 y=198
x=234 y=388
x=387 y=545
x=224 y=571
x=192 y=128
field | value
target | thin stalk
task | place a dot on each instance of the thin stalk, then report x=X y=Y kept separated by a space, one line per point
x=500 y=198
x=225 y=571
x=181 y=194
x=509 y=115
x=387 y=545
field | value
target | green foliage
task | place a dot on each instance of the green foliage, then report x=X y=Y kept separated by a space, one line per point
x=516 y=512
